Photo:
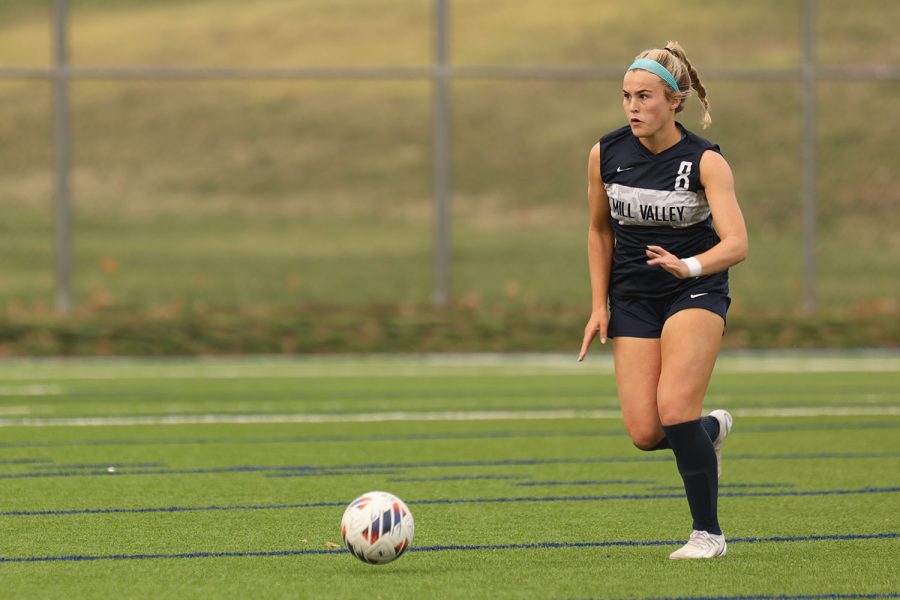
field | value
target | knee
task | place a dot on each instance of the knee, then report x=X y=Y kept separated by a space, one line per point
x=646 y=438
x=677 y=413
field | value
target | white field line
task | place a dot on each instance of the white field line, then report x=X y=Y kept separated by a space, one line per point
x=425 y=365
x=36 y=389
x=486 y=415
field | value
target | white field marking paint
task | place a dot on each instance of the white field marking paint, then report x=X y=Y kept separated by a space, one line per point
x=487 y=415
x=31 y=390
x=274 y=367
x=212 y=419
x=819 y=411
x=424 y=365
x=796 y=362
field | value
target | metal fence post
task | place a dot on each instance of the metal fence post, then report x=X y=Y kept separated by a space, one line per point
x=441 y=158
x=809 y=158
x=62 y=143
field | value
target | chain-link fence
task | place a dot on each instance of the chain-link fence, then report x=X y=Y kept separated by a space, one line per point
x=405 y=152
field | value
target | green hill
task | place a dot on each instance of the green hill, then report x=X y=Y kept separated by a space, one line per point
x=277 y=195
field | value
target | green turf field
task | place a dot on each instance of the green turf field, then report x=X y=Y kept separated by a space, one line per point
x=230 y=478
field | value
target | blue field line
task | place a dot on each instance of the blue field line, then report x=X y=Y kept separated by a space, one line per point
x=329 y=470
x=311 y=439
x=430 y=501
x=318 y=470
x=105 y=473
x=326 y=473
x=164 y=509
x=117 y=465
x=586 y=482
x=184 y=555
x=679 y=495
x=641 y=543
x=307 y=439
x=459 y=478
x=342 y=469
x=730 y=486
x=441 y=548
x=821 y=455
x=646 y=457
x=788 y=427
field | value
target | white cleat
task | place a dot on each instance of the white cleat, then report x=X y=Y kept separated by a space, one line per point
x=725 y=420
x=701 y=545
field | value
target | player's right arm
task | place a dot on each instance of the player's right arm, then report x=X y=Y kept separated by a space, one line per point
x=600 y=248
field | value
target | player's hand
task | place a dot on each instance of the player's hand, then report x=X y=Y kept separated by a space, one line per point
x=596 y=326
x=658 y=256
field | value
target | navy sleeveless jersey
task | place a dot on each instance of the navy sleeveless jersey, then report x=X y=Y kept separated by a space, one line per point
x=656 y=199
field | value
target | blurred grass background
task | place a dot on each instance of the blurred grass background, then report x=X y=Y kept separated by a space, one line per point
x=299 y=214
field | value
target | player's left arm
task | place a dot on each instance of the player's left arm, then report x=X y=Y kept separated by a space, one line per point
x=718 y=181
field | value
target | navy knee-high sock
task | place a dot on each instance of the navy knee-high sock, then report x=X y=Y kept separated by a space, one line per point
x=710 y=426
x=696 y=461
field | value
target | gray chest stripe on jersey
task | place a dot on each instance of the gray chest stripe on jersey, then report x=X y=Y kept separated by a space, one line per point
x=639 y=206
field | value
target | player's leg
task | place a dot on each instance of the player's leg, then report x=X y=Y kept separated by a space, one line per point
x=688 y=348
x=638 y=363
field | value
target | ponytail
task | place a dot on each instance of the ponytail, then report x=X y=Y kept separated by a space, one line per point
x=674 y=58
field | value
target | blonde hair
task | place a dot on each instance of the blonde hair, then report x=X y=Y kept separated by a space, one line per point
x=673 y=58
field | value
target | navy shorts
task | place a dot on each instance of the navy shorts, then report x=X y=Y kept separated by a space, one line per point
x=645 y=317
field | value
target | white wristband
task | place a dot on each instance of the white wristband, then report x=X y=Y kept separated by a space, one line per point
x=694 y=266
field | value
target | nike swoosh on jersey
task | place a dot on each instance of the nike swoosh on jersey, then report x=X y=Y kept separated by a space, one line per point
x=620 y=169
x=698 y=295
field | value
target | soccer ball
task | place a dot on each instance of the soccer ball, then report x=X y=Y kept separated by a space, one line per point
x=377 y=527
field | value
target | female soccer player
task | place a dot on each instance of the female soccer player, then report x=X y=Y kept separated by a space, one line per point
x=665 y=226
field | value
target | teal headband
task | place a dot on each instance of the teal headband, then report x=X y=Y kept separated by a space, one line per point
x=657 y=69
